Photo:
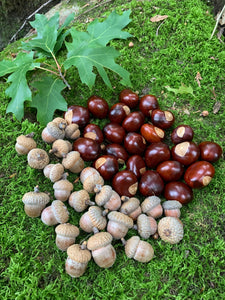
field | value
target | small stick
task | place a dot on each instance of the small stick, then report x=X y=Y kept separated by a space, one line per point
x=157 y=31
x=217 y=22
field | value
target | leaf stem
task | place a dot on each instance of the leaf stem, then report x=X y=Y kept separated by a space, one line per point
x=45 y=69
x=60 y=71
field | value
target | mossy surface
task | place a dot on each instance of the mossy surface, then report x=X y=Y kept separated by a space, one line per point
x=30 y=264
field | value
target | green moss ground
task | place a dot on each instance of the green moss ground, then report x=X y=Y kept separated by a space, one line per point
x=31 y=266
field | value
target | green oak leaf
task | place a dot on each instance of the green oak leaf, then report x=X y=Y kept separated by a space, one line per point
x=183 y=89
x=48 y=98
x=49 y=37
x=111 y=28
x=88 y=50
x=19 y=90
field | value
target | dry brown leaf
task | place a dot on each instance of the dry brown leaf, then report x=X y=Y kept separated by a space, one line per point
x=198 y=78
x=12 y=175
x=158 y=18
x=216 y=107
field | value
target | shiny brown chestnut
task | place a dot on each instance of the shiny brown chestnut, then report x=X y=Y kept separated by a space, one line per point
x=137 y=165
x=134 y=143
x=210 y=151
x=178 y=190
x=162 y=118
x=118 y=151
x=89 y=149
x=199 y=174
x=186 y=153
x=125 y=183
x=77 y=114
x=170 y=170
x=118 y=113
x=94 y=132
x=151 y=184
x=129 y=98
x=98 y=107
x=134 y=121
x=147 y=104
x=107 y=166
x=182 y=133
x=114 y=133
x=151 y=133
x=156 y=153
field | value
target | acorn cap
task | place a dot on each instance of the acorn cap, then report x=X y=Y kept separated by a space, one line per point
x=146 y=226
x=120 y=218
x=86 y=172
x=25 y=142
x=72 y=131
x=59 y=120
x=36 y=197
x=55 y=131
x=76 y=253
x=78 y=200
x=63 y=184
x=149 y=203
x=67 y=230
x=129 y=206
x=170 y=230
x=70 y=159
x=60 y=211
x=37 y=158
x=54 y=171
x=131 y=246
x=99 y=240
x=104 y=195
x=171 y=204
x=97 y=219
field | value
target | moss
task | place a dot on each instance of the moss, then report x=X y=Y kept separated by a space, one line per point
x=31 y=265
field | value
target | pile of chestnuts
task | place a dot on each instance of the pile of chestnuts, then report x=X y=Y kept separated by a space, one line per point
x=129 y=157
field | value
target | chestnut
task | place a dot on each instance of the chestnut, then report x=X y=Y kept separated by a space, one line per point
x=151 y=133
x=134 y=143
x=77 y=114
x=118 y=151
x=181 y=134
x=98 y=107
x=118 y=112
x=93 y=132
x=107 y=166
x=170 y=170
x=129 y=98
x=162 y=119
x=210 y=151
x=114 y=133
x=136 y=164
x=89 y=149
x=151 y=184
x=125 y=183
x=199 y=174
x=178 y=190
x=156 y=153
x=133 y=121
x=147 y=104
x=186 y=153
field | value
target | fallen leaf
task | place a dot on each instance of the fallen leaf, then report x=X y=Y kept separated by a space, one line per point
x=12 y=175
x=204 y=113
x=186 y=111
x=183 y=89
x=216 y=107
x=158 y=18
x=198 y=78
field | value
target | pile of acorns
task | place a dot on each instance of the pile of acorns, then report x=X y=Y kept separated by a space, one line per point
x=151 y=168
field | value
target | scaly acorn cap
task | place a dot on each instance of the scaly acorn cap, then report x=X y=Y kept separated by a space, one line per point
x=60 y=211
x=67 y=230
x=76 y=253
x=120 y=218
x=170 y=230
x=25 y=143
x=99 y=240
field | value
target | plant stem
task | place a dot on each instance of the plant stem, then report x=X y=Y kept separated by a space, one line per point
x=49 y=71
x=60 y=71
x=217 y=22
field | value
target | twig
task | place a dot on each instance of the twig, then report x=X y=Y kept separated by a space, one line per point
x=217 y=22
x=30 y=16
x=157 y=31
x=90 y=9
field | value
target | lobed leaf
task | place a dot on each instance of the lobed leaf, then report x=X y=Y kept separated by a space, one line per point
x=88 y=50
x=48 y=98
x=19 y=90
x=183 y=89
